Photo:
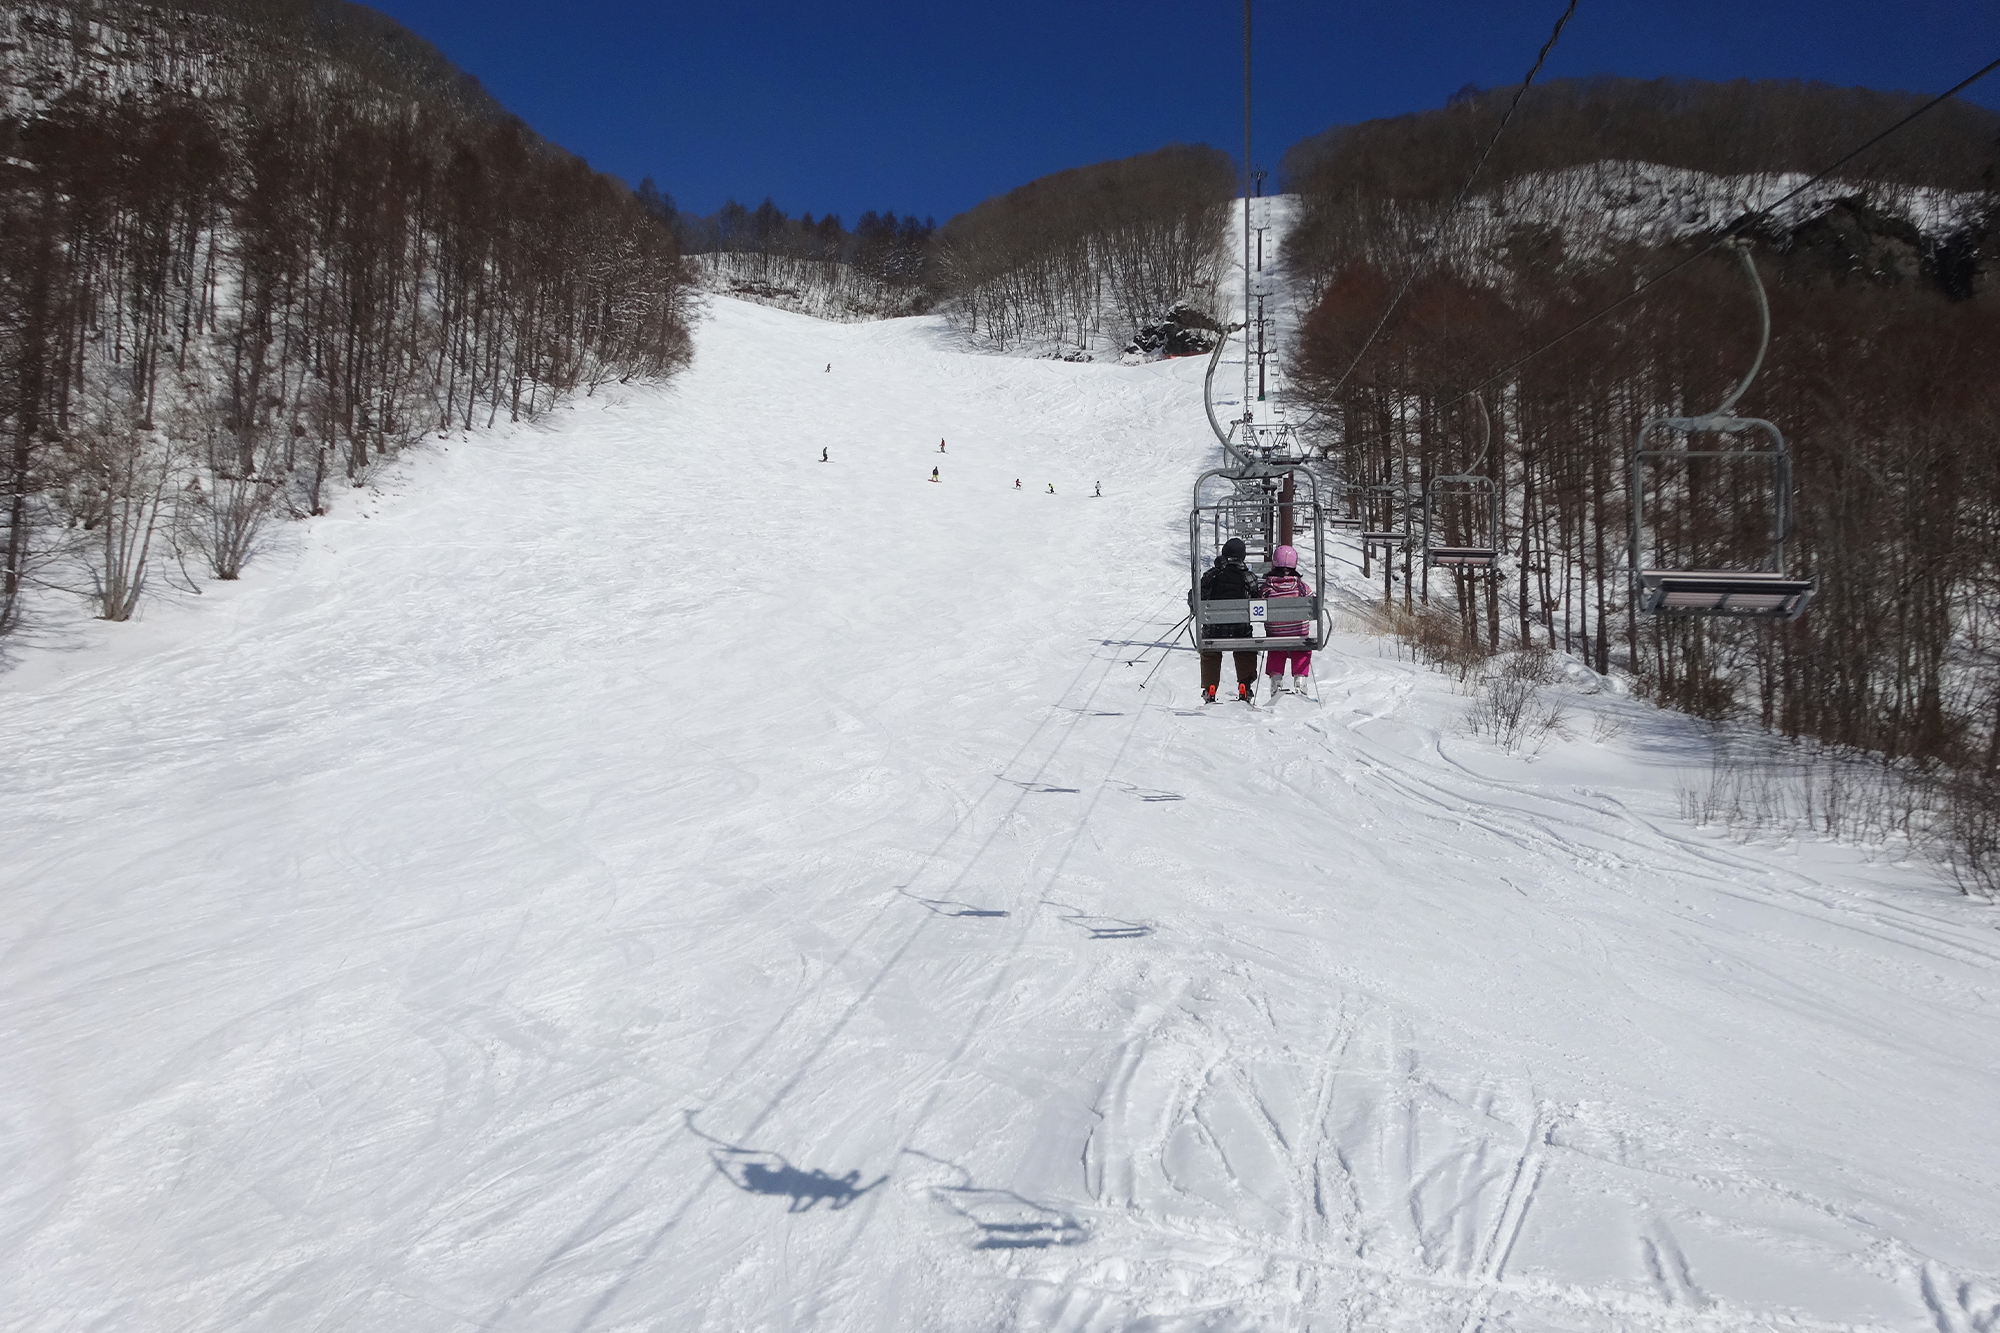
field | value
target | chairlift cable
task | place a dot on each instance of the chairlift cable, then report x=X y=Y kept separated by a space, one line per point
x=1437 y=233
x=1728 y=233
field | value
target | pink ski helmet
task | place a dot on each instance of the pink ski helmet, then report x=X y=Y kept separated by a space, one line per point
x=1285 y=557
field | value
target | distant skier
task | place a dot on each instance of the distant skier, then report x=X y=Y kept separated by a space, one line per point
x=1285 y=582
x=1052 y=488
x=829 y=367
x=1017 y=483
x=934 y=475
x=1099 y=495
x=1229 y=580
x=822 y=453
x=940 y=446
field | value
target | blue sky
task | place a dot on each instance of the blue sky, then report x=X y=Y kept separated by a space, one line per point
x=929 y=108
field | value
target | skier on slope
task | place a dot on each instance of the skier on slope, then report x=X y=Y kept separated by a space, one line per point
x=934 y=475
x=1285 y=582
x=1229 y=580
x=822 y=453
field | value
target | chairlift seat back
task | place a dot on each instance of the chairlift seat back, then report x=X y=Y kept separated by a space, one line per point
x=1235 y=611
x=1461 y=557
x=1715 y=592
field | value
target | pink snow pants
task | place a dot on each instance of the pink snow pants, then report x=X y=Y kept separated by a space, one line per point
x=1301 y=661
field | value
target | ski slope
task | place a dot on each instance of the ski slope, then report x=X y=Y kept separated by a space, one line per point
x=626 y=874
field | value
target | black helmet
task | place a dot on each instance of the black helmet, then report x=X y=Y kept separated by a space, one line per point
x=1233 y=549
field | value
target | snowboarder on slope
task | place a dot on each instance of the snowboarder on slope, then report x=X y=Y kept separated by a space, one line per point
x=822 y=453
x=1285 y=582
x=934 y=475
x=1017 y=483
x=1229 y=580
x=1100 y=491
x=1052 y=488
x=940 y=446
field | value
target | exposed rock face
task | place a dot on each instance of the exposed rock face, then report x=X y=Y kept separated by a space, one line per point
x=1852 y=240
x=1185 y=331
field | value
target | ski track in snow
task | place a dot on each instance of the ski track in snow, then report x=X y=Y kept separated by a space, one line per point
x=632 y=875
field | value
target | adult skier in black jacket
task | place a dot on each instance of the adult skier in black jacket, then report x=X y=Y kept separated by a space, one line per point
x=1228 y=580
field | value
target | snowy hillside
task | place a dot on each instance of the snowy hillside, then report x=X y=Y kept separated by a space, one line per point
x=632 y=874
x=821 y=288
x=1607 y=204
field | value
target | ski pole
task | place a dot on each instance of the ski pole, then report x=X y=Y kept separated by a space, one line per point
x=1175 y=629
x=1157 y=665
x=1141 y=655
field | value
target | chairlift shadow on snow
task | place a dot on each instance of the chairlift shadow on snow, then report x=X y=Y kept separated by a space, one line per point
x=952 y=907
x=1148 y=794
x=1003 y=1219
x=1660 y=738
x=1041 y=788
x=1102 y=927
x=757 y=1171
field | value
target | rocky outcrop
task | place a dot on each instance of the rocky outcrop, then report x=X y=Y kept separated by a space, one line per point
x=1185 y=331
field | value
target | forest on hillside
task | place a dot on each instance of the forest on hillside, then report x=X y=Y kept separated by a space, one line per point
x=1064 y=264
x=1884 y=293
x=248 y=250
x=817 y=266
x=1097 y=251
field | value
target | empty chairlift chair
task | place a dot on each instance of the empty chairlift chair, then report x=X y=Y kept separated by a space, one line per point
x=1465 y=506
x=1709 y=538
x=1383 y=502
x=1479 y=497
x=1349 y=518
x=1478 y=500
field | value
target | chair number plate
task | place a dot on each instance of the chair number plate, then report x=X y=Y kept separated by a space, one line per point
x=1259 y=617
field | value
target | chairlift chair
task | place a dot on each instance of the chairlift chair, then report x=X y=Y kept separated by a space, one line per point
x=1682 y=587
x=1391 y=495
x=1479 y=498
x=1764 y=593
x=1351 y=519
x=1473 y=499
x=1266 y=464
x=1251 y=511
x=1273 y=442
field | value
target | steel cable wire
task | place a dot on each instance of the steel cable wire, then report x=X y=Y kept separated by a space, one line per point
x=1728 y=233
x=1437 y=233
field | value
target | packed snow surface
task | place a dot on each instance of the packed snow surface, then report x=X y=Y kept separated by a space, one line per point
x=629 y=874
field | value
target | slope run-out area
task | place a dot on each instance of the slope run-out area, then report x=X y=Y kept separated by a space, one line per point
x=633 y=875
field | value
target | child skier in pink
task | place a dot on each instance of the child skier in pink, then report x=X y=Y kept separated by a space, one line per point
x=1284 y=581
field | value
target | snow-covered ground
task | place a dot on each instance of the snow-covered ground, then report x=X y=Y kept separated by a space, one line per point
x=633 y=875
